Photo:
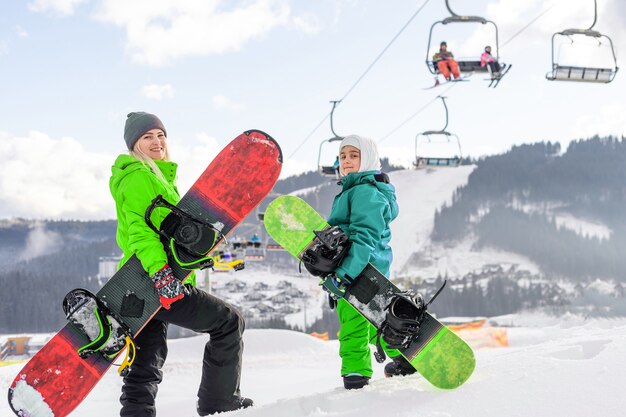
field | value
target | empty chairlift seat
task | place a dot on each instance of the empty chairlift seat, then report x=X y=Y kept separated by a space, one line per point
x=570 y=73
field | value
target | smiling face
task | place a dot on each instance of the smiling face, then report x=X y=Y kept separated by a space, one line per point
x=153 y=144
x=350 y=158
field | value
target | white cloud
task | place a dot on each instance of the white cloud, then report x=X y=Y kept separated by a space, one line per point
x=309 y=24
x=62 y=7
x=159 y=31
x=42 y=177
x=21 y=32
x=192 y=159
x=39 y=241
x=606 y=120
x=221 y=102
x=294 y=167
x=158 y=92
x=512 y=15
x=47 y=178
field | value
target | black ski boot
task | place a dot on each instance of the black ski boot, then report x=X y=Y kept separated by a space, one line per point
x=398 y=366
x=355 y=381
x=224 y=406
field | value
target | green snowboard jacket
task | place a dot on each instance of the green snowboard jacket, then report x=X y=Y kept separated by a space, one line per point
x=363 y=210
x=133 y=186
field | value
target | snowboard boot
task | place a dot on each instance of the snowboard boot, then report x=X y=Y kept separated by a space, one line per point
x=399 y=366
x=224 y=406
x=355 y=381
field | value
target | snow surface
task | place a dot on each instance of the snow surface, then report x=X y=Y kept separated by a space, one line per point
x=310 y=307
x=583 y=227
x=553 y=367
x=420 y=193
x=556 y=210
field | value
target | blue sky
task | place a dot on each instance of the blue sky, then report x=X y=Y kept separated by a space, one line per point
x=70 y=71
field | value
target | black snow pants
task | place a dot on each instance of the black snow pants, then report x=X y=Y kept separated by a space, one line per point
x=221 y=366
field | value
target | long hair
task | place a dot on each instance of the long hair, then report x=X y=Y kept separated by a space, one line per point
x=146 y=160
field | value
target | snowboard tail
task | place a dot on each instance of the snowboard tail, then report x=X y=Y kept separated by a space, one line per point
x=437 y=353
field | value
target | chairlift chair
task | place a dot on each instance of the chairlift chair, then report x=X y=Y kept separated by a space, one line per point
x=328 y=170
x=468 y=66
x=592 y=74
x=425 y=159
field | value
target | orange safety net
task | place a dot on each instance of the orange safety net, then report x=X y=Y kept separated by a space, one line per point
x=478 y=336
x=321 y=336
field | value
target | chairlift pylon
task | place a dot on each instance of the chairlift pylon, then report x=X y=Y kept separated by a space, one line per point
x=593 y=74
x=425 y=159
x=467 y=66
x=329 y=170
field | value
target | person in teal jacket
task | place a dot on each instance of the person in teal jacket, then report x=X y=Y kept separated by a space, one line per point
x=363 y=209
x=136 y=179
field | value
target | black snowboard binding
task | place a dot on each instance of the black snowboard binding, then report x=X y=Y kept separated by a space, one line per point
x=106 y=332
x=185 y=235
x=402 y=322
x=329 y=248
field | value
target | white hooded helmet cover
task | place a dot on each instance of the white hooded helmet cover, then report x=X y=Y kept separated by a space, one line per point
x=370 y=160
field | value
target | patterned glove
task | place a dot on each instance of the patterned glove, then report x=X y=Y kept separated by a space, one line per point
x=167 y=286
x=345 y=280
x=335 y=288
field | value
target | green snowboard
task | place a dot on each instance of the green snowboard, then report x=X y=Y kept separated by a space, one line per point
x=438 y=354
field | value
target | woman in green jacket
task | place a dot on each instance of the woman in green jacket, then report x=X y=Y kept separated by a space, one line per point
x=363 y=209
x=137 y=178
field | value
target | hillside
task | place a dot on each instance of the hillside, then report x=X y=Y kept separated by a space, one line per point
x=534 y=226
x=563 y=211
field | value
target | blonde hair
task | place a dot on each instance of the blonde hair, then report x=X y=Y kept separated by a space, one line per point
x=146 y=160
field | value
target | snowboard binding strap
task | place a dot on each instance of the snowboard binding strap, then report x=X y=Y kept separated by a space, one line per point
x=129 y=358
x=183 y=232
x=107 y=333
x=402 y=322
x=326 y=252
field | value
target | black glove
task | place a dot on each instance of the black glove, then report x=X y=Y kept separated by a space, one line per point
x=167 y=286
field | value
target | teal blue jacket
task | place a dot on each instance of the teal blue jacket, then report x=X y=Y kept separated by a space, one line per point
x=363 y=210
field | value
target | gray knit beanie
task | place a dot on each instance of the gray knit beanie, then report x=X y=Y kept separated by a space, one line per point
x=139 y=123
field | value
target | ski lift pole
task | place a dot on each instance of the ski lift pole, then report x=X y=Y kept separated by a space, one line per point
x=595 y=14
x=332 y=111
x=445 y=106
x=450 y=10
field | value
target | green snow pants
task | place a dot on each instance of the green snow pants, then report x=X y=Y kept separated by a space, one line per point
x=355 y=336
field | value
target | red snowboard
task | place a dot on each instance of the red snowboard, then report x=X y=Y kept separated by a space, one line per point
x=56 y=380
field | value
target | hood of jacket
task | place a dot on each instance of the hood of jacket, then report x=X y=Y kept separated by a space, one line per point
x=369 y=177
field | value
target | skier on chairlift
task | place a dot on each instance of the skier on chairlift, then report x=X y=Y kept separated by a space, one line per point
x=446 y=63
x=487 y=59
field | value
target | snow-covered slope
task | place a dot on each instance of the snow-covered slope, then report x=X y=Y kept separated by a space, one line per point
x=420 y=193
x=553 y=368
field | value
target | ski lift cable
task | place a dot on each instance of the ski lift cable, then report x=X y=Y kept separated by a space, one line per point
x=384 y=50
x=308 y=136
x=540 y=15
x=361 y=76
x=543 y=12
x=424 y=107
